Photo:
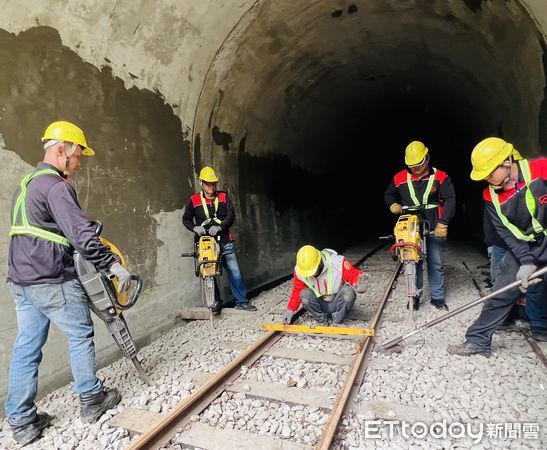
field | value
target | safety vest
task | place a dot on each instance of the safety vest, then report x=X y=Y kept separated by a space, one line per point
x=19 y=210
x=412 y=191
x=206 y=210
x=530 y=204
x=308 y=280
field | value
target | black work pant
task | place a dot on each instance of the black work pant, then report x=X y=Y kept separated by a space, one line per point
x=496 y=309
x=338 y=307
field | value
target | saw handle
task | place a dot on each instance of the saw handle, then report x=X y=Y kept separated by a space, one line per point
x=134 y=297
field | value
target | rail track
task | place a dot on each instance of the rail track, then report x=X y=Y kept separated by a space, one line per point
x=159 y=435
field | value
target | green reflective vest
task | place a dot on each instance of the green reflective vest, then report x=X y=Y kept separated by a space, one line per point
x=308 y=280
x=206 y=210
x=412 y=191
x=530 y=204
x=19 y=212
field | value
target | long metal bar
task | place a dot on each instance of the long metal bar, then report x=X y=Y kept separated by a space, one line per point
x=170 y=425
x=459 y=310
x=329 y=431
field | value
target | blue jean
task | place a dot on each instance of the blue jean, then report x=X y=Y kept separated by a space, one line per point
x=435 y=269
x=231 y=265
x=536 y=295
x=65 y=305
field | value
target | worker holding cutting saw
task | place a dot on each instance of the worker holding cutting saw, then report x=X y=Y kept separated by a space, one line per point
x=516 y=205
x=210 y=212
x=325 y=283
x=47 y=226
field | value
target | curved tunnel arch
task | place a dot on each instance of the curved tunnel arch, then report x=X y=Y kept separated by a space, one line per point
x=334 y=95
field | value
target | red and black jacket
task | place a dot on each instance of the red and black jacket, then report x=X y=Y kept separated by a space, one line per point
x=194 y=214
x=442 y=193
x=513 y=206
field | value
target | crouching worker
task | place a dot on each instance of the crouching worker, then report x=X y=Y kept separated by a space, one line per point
x=325 y=282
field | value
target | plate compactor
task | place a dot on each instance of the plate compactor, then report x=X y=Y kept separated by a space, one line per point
x=108 y=304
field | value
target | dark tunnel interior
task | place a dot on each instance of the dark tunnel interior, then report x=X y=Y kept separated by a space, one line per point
x=341 y=93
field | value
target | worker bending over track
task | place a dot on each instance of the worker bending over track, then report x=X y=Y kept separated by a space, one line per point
x=320 y=285
x=47 y=226
x=432 y=189
x=516 y=205
x=211 y=212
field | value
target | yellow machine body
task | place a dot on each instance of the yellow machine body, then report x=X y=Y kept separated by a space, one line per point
x=208 y=250
x=407 y=231
x=121 y=296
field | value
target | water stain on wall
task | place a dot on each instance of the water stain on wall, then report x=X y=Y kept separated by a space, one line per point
x=143 y=156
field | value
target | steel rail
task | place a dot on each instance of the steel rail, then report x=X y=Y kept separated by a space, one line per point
x=161 y=433
x=173 y=423
x=329 y=431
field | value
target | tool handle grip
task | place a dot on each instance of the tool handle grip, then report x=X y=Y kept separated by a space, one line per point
x=134 y=296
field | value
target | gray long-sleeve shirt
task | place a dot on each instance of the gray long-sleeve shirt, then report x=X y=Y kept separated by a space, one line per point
x=52 y=204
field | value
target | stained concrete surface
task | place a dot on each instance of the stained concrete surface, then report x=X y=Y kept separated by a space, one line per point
x=303 y=108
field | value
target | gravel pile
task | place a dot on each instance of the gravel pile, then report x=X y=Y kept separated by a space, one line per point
x=508 y=387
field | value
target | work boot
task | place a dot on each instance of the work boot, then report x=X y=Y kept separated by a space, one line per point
x=539 y=334
x=439 y=304
x=415 y=302
x=247 y=306
x=93 y=405
x=216 y=308
x=25 y=434
x=468 y=349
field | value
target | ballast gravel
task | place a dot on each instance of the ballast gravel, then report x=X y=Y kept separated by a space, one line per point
x=506 y=390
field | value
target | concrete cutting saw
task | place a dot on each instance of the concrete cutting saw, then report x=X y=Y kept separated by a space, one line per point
x=109 y=305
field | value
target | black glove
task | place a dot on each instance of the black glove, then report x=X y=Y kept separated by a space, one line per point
x=214 y=230
x=199 y=230
x=123 y=276
x=287 y=316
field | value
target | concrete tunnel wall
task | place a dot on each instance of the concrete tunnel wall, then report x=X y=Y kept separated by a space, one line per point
x=267 y=92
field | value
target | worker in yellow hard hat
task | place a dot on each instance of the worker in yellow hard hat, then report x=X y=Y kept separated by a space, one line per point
x=431 y=190
x=47 y=226
x=516 y=206
x=325 y=283
x=210 y=212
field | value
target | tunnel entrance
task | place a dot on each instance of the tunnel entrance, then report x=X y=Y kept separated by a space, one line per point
x=317 y=100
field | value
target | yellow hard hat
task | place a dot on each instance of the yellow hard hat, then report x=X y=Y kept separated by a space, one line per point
x=415 y=153
x=208 y=174
x=488 y=154
x=308 y=259
x=67 y=132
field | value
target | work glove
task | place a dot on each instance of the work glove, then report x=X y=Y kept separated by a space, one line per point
x=123 y=276
x=199 y=230
x=287 y=316
x=214 y=230
x=489 y=252
x=362 y=283
x=441 y=230
x=396 y=208
x=524 y=273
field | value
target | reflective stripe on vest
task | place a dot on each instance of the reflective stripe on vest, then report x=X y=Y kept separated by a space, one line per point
x=311 y=285
x=530 y=204
x=206 y=210
x=20 y=209
x=426 y=193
